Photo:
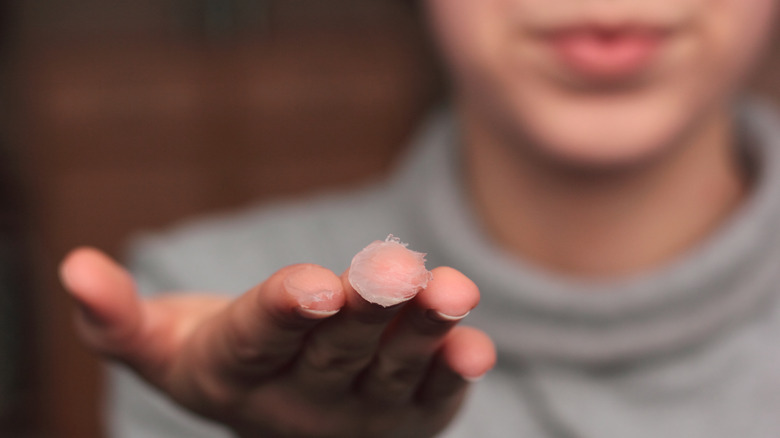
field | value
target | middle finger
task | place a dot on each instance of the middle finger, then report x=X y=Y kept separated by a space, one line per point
x=338 y=350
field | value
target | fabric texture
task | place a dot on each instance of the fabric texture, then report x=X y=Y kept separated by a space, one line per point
x=689 y=349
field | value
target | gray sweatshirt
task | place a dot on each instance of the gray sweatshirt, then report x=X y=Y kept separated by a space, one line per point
x=689 y=349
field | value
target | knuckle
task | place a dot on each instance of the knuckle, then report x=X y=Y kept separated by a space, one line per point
x=323 y=357
x=402 y=374
x=207 y=395
x=239 y=341
x=393 y=381
x=391 y=391
x=241 y=346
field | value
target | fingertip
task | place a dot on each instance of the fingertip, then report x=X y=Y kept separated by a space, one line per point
x=450 y=294
x=469 y=352
x=87 y=272
x=317 y=291
x=70 y=267
x=104 y=293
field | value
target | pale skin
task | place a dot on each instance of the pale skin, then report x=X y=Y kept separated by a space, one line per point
x=559 y=168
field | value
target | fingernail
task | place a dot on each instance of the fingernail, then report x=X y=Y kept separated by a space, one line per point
x=316 y=314
x=444 y=317
x=473 y=379
x=313 y=291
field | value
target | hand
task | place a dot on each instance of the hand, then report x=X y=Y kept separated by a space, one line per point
x=300 y=355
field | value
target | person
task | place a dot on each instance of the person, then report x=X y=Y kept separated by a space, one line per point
x=600 y=177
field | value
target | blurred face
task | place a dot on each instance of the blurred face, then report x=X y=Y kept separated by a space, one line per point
x=597 y=82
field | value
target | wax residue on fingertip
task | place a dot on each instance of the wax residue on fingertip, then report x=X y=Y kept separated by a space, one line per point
x=387 y=272
x=310 y=288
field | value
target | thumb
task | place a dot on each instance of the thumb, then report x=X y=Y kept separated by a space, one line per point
x=110 y=313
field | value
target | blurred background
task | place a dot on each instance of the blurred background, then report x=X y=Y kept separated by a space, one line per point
x=122 y=116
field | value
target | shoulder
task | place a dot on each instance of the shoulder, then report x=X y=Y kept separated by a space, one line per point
x=231 y=252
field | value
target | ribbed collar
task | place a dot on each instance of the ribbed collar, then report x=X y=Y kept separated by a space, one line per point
x=531 y=313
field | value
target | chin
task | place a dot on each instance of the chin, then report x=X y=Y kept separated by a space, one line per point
x=605 y=133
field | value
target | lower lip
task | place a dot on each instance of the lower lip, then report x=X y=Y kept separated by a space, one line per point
x=603 y=56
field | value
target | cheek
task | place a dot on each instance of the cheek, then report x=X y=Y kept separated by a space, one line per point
x=469 y=34
x=734 y=34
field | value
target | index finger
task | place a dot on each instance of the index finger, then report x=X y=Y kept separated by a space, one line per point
x=263 y=329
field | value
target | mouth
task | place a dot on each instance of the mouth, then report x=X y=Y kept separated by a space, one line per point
x=605 y=54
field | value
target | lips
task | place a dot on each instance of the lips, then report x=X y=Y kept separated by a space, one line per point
x=605 y=54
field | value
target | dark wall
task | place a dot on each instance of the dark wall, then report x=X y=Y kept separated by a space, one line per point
x=134 y=115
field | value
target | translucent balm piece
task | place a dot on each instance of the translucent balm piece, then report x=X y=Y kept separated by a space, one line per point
x=388 y=273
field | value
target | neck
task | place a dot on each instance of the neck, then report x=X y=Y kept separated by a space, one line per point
x=605 y=224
